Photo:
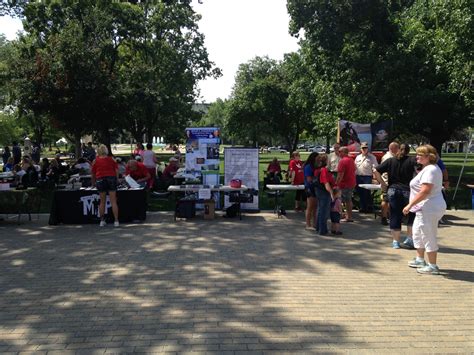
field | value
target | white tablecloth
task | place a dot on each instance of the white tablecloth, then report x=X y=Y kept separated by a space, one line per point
x=371 y=186
x=286 y=187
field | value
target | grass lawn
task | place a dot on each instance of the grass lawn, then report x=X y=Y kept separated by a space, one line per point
x=454 y=163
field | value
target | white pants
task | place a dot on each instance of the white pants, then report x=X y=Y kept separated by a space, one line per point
x=425 y=230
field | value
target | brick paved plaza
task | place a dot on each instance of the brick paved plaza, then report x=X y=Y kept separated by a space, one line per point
x=230 y=286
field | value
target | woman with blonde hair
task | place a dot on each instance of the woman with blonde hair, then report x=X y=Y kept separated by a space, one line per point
x=104 y=177
x=426 y=200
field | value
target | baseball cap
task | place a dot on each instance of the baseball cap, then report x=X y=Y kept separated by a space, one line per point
x=364 y=145
x=138 y=157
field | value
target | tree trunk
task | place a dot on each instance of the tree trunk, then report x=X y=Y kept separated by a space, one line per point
x=77 y=144
x=106 y=140
x=436 y=140
x=149 y=136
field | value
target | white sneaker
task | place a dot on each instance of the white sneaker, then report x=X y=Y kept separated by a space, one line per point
x=102 y=223
x=116 y=224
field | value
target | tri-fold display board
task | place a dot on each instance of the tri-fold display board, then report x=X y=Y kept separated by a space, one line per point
x=242 y=164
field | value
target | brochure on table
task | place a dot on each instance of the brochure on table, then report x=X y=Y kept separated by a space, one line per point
x=202 y=156
x=242 y=163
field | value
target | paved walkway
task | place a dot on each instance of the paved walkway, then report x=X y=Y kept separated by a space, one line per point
x=229 y=286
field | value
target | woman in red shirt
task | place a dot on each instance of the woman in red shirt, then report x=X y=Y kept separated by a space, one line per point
x=297 y=178
x=104 y=177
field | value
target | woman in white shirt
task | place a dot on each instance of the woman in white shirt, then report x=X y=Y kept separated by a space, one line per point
x=149 y=160
x=426 y=200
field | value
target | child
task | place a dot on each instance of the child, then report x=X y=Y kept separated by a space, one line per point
x=336 y=209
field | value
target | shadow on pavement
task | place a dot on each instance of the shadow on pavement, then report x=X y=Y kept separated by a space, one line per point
x=160 y=286
x=459 y=275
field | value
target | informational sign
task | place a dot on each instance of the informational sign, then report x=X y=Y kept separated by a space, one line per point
x=202 y=151
x=204 y=194
x=242 y=163
x=202 y=156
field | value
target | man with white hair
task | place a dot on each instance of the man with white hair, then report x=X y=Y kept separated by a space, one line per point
x=365 y=163
x=171 y=170
x=138 y=172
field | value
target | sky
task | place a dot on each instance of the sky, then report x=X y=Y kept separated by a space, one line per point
x=235 y=32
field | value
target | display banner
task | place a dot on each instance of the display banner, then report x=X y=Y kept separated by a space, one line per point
x=381 y=134
x=202 y=156
x=352 y=134
x=242 y=163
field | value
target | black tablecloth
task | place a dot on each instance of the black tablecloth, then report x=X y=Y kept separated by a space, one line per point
x=82 y=206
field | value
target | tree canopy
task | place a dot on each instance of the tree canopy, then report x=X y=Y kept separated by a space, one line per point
x=410 y=61
x=96 y=67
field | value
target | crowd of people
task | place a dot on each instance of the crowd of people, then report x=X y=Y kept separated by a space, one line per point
x=411 y=186
x=105 y=172
x=412 y=189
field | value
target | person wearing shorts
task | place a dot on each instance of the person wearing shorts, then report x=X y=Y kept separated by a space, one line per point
x=393 y=149
x=346 y=181
x=400 y=170
x=104 y=177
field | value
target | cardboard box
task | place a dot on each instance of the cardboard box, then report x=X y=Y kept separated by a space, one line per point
x=209 y=209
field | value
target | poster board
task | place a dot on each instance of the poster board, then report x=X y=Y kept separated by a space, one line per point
x=242 y=163
x=202 y=156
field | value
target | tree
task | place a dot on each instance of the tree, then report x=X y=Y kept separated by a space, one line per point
x=93 y=67
x=64 y=69
x=382 y=62
x=162 y=66
x=257 y=101
x=437 y=39
x=9 y=129
x=218 y=116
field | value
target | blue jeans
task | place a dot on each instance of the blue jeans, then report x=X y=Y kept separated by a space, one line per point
x=324 y=208
x=398 y=198
x=366 y=201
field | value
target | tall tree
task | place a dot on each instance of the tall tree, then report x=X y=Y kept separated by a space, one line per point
x=375 y=56
x=257 y=101
x=217 y=116
x=162 y=66
x=96 y=66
